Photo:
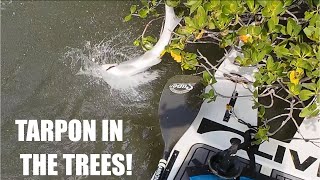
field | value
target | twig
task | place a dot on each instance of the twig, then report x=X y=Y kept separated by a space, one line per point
x=146 y=27
x=214 y=37
x=276 y=117
x=279 y=97
x=207 y=61
x=290 y=116
x=279 y=128
x=201 y=65
x=291 y=93
x=202 y=42
x=294 y=16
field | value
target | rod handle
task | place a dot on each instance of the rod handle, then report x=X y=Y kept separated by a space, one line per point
x=161 y=166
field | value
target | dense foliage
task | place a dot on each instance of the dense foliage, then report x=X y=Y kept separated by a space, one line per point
x=280 y=37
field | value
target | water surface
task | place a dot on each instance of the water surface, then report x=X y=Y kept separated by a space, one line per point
x=40 y=80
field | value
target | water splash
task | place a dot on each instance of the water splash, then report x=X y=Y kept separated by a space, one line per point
x=130 y=70
x=89 y=61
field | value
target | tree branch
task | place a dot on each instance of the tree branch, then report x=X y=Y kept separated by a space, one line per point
x=294 y=16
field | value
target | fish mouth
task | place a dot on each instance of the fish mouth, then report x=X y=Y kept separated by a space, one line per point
x=107 y=67
x=110 y=67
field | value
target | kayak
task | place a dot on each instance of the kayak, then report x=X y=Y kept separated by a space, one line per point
x=196 y=133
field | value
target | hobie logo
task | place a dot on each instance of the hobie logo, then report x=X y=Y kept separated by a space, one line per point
x=181 y=88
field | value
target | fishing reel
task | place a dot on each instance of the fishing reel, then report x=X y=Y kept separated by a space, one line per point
x=226 y=165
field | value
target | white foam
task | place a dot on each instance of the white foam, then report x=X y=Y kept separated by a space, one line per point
x=93 y=57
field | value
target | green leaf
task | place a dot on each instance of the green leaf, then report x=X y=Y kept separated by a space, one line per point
x=305 y=95
x=143 y=13
x=290 y=25
x=295 y=50
x=230 y=8
x=147 y=42
x=283 y=29
x=189 y=22
x=271 y=78
x=281 y=51
x=151 y=39
x=201 y=17
x=186 y=30
x=314 y=19
x=250 y=4
x=293 y=28
x=287 y=2
x=211 y=25
x=273 y=8
x=306 y=49
x=127 y=18
x=261 y=135
x=262 y=111
x=311 y=86
x=136 y=42
x=296 y=30
x=312 y=33
x=308 y=15
x=154 y=2
x=209 y=96
x=294 y=89
x=270 y=63
x=212 y=5
x=309 y=31
x=277 y=7
x=316 y=73
x=316 y=3
x=263 y=3
x=255 y=94
x=211 y=92
x=208 y=79
x=145 y=3
x=133 y=8
x=273 y=21
x=172 y=3
x=263 y=53
x=243 y=30
x=315 y=113
x=254 y=30
x=303 y=63
x=195 y=5
x=190 y=3
x=309 y=110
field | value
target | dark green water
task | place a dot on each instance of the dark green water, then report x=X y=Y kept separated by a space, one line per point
x=39 y=82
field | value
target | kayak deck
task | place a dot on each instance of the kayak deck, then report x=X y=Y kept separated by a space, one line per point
x=200 y=154
x=213 y=128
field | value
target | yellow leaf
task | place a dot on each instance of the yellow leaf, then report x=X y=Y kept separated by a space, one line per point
x=296 y=75
x=200 y=34
x=245 y=38
x=162 y=53
x=228 y=107
x=225 y=32
x=293 y=78
x=175 y=56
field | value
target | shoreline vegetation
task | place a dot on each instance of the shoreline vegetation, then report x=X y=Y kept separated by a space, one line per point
x=281 y=38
